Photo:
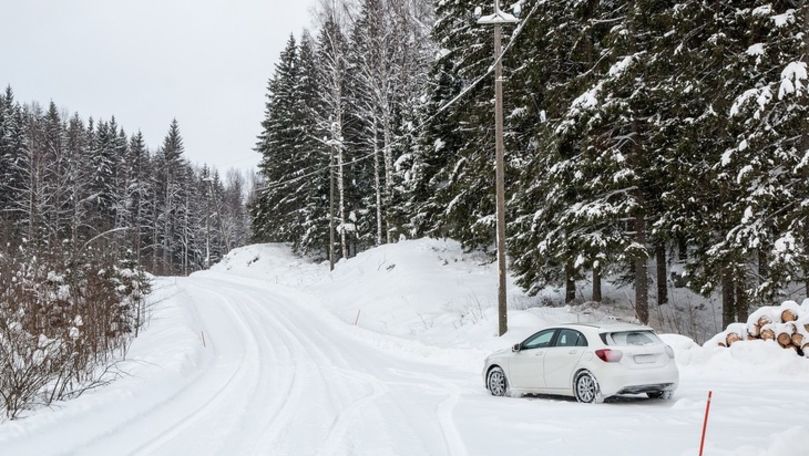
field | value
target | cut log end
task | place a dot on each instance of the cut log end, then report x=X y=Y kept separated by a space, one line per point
x=797 y=340
x=767 y=334
x=732 y=338
x=784 y=340
x=788 y=315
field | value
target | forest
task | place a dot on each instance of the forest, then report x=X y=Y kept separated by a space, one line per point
x=86 y=213
x=640 y=135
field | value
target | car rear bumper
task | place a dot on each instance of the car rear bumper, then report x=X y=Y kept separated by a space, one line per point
x=664 y=378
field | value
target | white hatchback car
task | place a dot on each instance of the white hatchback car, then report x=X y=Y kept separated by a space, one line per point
x=587 y=361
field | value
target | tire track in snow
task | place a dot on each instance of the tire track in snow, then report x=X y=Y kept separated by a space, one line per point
x=201 y=376
x=325 y=364
x=215 y=399
x=330 y=364
x=445 y=410
x=293 y=391
x=350 y=415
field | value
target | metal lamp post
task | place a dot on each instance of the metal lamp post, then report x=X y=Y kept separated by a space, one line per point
x=498 y=19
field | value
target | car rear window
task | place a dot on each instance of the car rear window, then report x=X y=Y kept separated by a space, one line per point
x=625 y=338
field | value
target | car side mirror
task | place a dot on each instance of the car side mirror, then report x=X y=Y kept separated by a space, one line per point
x=516 y=347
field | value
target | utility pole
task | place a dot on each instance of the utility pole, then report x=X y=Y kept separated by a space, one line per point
x=498 y=19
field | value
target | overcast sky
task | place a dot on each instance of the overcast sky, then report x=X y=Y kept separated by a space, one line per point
x=205 y=62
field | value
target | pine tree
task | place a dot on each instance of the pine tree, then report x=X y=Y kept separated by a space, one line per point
x=138 y=193
x=12 y=155
x=274 y=212
x=314 y=212
x=461 y=203
x=172 y=194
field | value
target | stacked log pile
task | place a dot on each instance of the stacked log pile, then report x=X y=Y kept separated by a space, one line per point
x=787 y=325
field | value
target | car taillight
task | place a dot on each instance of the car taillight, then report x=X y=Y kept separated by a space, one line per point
x=609 y=356
x=670 y=352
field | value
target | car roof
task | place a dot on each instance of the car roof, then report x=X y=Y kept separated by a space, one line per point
x=607 y=326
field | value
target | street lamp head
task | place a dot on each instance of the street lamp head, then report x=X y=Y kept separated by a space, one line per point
x=499 y=17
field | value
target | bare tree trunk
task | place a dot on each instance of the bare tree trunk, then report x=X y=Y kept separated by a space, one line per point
x=662 y=282
x=682 y=249
x=763 y=266
x=728 y=297
x=742 y=303
x=378 y=189
x=155 y=235
x=806 y=268
x=597 y=283
x=342 y=191
x=331 y=210
x=570 y=282
x=167 y=244
x=388 y=176
x=641 y=273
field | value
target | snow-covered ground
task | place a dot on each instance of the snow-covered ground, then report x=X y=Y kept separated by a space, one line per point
x=270 y=354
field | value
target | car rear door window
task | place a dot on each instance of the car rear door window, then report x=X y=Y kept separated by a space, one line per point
x=570 y=338
x=541 y=339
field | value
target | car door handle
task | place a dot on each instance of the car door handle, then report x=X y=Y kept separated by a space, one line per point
x=572 y=352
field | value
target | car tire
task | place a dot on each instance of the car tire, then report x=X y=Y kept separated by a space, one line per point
x=586 y=389
x=496 y=382
x=664 y=395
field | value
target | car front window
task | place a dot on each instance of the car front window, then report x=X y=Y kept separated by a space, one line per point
x=540 y=340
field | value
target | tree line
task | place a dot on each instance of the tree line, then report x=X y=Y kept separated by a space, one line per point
x=67 y=180
x=639 y=134
x=85 y=211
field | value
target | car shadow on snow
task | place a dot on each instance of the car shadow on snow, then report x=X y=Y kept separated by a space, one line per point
x=637 y=399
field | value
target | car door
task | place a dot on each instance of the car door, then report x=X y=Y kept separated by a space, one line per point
x=526 y=365
x=560 y=360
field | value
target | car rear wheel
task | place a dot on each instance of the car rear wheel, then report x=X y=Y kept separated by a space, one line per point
x=496 y=382
x=665 y=395
x=586 y=389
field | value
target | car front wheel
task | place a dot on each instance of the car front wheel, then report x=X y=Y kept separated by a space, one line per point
x=496 y=382
x=586 y=389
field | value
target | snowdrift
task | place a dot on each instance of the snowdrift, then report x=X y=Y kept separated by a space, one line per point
x=435 y=294
x=428 y=290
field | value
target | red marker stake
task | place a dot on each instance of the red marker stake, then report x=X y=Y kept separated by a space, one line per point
x=705 y=423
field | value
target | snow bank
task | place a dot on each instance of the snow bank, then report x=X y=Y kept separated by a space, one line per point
x=273 y=262
x=425 y=290
x=160 y=362
x=433 y=294
x=752 y=359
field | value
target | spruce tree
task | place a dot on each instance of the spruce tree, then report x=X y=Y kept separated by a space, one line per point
x=274 y=211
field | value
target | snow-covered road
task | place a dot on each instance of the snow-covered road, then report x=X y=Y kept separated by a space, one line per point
x=277 y=375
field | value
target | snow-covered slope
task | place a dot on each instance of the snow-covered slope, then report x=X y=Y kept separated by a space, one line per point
x=433 y=293
x=428 y=290
x=261 y=355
